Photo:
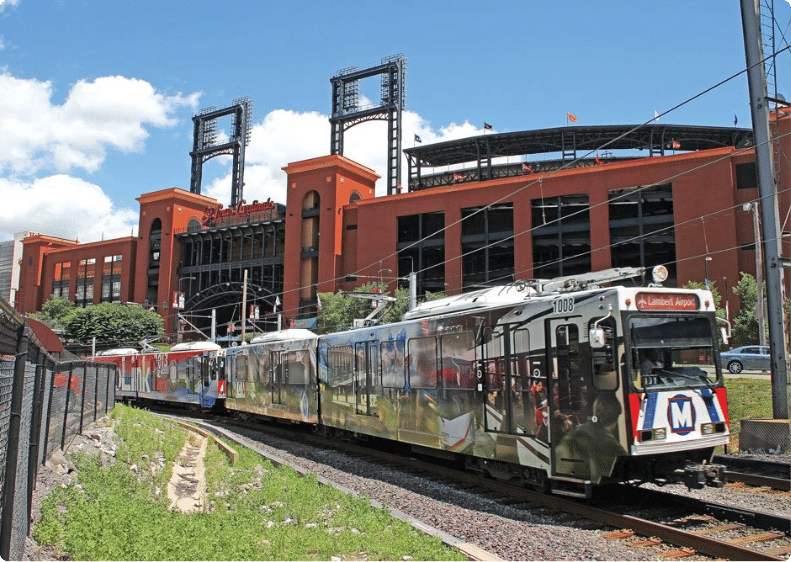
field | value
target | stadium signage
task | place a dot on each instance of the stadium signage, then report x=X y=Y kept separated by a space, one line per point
x=238 y=212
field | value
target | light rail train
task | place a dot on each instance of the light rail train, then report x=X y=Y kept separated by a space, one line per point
x=563 y=384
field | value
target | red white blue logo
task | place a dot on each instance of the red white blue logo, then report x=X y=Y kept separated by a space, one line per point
x=681 y=414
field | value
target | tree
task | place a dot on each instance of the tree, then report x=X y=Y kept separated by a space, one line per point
x=719 y=312
x=55 y=312
x=338 y=311
x=113 y=325
x=745 y=322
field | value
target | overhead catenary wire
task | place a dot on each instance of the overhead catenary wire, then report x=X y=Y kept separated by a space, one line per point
x=548 y=175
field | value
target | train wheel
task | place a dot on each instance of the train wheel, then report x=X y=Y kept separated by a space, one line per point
x=536 y=479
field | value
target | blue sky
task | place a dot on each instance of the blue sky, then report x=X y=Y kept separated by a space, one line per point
x=96 y=97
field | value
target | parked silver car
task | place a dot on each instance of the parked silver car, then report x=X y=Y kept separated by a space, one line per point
x=753 y=357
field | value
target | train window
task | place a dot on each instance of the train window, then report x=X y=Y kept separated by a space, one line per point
x=569 y=383
x=392 y=353
x=340 y=365
x=252 y=368
x=218 y=364
x=423 y=362
x=605 y=375
x=240 y=366
x=458 y=360
x=298 y=367
x=181 y=373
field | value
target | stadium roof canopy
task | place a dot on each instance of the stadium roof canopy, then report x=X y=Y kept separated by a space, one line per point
x=655 y=138
x=575 y=145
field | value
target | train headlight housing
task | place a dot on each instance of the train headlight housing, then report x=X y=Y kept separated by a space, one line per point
x=659 y=274
x=655 y=434
x=712 y=428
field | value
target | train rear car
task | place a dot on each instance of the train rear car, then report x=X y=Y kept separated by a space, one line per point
x=190 y=373
x=125 y=359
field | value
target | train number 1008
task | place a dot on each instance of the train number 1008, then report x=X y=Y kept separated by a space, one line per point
x=563 y=305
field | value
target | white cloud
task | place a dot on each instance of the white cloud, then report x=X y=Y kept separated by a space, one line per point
x=63 y=206
x=8 y=4
x=38 y=138
x=110 y=112
x=285 y=136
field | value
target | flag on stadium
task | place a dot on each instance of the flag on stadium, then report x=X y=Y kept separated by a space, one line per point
x=486 y=126
x=571 y=117
x=526 y=168
x=459 y=177
x=418 y=139
x=676 y=145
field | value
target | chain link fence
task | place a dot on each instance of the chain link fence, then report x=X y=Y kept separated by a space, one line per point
x=43 y=401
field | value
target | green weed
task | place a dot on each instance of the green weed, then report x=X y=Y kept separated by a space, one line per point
x=254 y=511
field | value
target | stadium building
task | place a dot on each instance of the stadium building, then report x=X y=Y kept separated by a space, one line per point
x=484 y=210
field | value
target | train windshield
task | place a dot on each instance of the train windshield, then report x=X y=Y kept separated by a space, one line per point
x=672 y=352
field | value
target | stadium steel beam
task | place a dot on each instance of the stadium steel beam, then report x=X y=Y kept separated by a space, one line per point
x=346 y=110
x=205 y=147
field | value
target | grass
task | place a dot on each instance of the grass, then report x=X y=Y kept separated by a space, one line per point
x=748 y=399
x=254 y=510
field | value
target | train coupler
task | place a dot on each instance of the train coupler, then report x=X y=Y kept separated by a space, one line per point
x=696 y=476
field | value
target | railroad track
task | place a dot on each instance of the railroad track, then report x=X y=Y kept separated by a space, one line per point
x=757 y=473
x=676 y=527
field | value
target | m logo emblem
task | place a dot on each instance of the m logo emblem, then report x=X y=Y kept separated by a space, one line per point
x=681 y=414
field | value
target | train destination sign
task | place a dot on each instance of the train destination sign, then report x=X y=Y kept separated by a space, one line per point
x=665 y=301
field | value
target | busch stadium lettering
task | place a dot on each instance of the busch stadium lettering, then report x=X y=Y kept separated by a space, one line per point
x=656 y=301
x=239 y=213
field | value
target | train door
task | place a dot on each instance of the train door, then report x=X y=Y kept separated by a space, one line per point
x=510 y=404
x=568 y=392
x=366 y=376
x=493 y=367
x=237 y=374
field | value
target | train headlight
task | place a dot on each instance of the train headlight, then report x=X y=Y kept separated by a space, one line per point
x=656 y=434
x=659 y=274
x=712 y=428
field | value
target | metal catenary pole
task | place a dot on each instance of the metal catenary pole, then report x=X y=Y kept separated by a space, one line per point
x=769 y=213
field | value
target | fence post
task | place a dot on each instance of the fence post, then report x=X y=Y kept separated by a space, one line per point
x=95 y=391
x=35 y=428
x=111 y=388
x=49 y=410
x=66 y=409
x=82 y=394
x=13 y=443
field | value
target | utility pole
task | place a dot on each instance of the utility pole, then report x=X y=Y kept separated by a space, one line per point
x=759 y=275
x=756 y=79
x=244 y=305
x=412 y=290
x=214 y=325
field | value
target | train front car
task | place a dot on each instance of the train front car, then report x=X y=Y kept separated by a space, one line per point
x=536 y=382
x=677 y=406
x=275 y=376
